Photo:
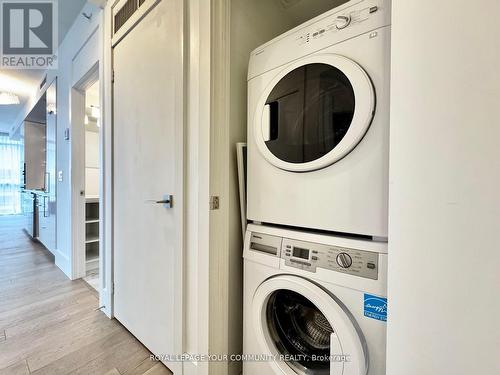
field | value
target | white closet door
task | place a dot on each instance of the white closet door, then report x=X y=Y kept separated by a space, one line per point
x=148 y=149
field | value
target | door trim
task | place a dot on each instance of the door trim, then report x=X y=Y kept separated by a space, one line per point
x=219 y=253
x=106 y=73
x=78 y=169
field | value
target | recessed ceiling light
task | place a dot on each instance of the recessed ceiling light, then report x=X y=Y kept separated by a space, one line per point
x=7 y=98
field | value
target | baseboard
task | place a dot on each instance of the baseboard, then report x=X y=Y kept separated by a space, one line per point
x=62 y=261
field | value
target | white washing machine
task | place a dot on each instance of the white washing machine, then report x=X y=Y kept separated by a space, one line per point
x=313 y=304
x=318 y=123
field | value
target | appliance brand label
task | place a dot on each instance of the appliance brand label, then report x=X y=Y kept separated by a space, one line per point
x=375 y=307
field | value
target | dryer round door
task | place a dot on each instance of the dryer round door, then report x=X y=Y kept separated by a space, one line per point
x=314 y=112
x=306 y=330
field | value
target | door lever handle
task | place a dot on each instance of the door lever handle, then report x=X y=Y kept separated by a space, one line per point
x=167 y=201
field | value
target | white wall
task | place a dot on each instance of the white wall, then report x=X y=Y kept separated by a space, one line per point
x=73 y=62
x=444 y=255
x=91 y=163
x=77 y=54
x=245 y=37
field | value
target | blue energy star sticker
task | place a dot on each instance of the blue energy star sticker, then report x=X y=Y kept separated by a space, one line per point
x=375 y=307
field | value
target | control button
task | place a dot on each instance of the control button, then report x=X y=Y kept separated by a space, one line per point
x=314 y=258
x=373 y=9
x=344 y=260
x=342 y=22
x=315 y=251
x=370 y=266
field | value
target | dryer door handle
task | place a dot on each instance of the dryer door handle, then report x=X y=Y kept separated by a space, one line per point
x=270 y=119
x=266 y=123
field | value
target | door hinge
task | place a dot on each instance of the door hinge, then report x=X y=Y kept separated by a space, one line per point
x=214 y=202
x=113 y=76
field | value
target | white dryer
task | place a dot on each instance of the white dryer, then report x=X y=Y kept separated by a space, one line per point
x=313 y=304
x=318 y=123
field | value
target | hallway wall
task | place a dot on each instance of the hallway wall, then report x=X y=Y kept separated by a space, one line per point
x=74 y=61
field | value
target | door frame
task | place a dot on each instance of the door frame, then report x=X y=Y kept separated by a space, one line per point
x=78 y=179
x=208 y=94
x=99 y=72
x=78 y=169
x=218 y=220
x=106 y=139
x=206 y=50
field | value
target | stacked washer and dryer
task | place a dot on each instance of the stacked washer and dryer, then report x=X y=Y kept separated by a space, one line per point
x=315 y=253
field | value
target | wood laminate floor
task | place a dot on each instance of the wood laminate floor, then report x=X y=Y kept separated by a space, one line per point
x=49 y=324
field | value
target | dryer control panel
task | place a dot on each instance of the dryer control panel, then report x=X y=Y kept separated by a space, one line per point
x=336 y=23
x=310 y=256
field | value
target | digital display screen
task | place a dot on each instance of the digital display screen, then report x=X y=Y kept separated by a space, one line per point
x=299 y=252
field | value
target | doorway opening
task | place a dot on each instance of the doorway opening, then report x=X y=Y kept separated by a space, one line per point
x=86 y=179
x=92 y=172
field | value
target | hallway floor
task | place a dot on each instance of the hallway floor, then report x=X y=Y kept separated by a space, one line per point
x=49 y=324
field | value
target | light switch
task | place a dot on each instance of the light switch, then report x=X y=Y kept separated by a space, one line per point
x=60 y=176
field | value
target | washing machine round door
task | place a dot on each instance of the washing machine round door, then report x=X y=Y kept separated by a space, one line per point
x=314 y=112
x=306 y=330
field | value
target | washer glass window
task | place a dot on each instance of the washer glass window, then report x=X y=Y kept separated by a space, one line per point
x=310 y=111
x=299 y=330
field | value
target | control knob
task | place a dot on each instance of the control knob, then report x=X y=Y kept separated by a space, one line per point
x=341 y=22
x=344 y=260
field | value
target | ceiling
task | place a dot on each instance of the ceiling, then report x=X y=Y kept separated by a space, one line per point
x=25 y=83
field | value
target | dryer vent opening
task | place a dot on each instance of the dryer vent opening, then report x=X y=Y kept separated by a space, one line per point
x=300 y=331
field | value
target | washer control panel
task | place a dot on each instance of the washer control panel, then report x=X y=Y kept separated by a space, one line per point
x=310 y=256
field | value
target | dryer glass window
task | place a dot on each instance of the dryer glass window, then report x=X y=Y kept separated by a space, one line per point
x=310 y=111
x=299 y=330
